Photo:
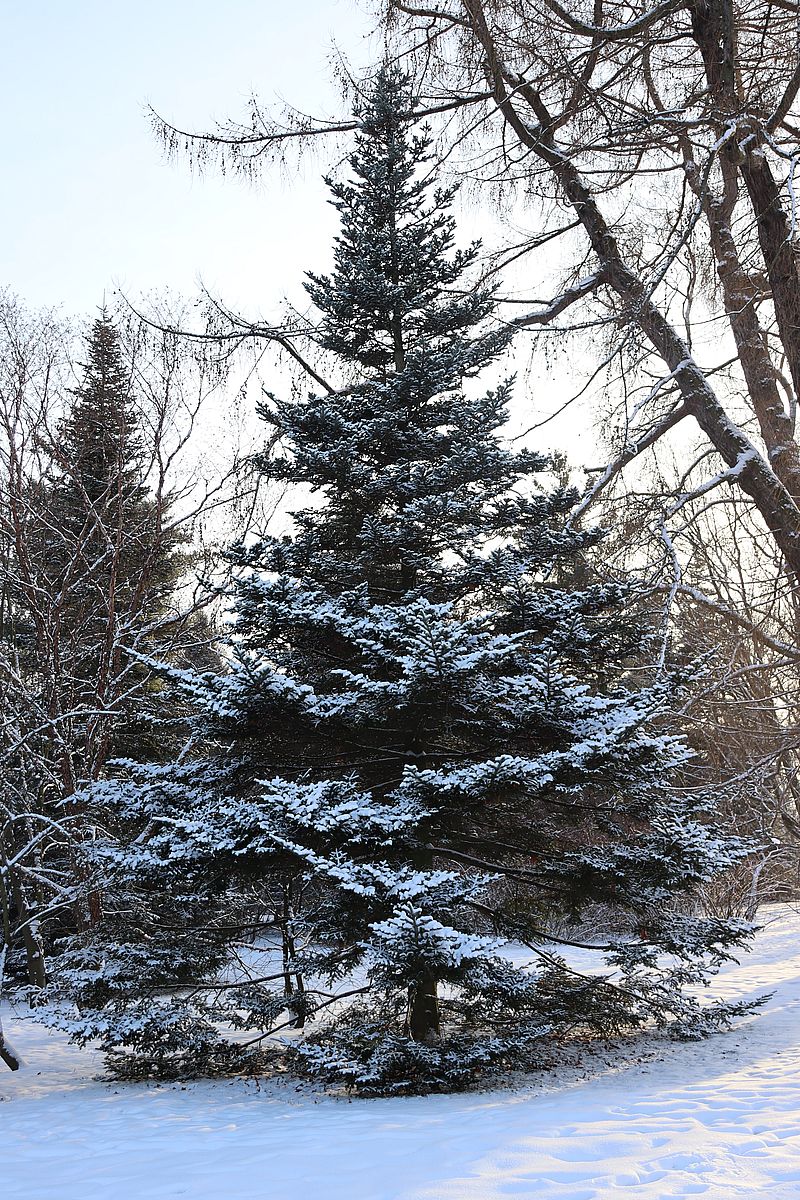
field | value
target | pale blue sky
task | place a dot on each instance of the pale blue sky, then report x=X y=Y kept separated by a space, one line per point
x=88 y=198
x=89 y=202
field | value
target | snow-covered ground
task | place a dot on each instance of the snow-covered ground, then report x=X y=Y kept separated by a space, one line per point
x=718 y=1119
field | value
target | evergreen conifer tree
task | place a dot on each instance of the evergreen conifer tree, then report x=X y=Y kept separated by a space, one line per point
x=440 y=740
x=90 y=570
x=107 y=529
x=111 y=558
x=98 y=443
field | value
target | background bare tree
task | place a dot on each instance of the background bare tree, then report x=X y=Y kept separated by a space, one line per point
x=656 y=145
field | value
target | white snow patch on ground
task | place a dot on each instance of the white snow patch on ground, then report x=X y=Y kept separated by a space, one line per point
x=718 y=1119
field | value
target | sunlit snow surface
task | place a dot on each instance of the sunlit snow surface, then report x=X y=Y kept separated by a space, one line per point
x=719 y=1119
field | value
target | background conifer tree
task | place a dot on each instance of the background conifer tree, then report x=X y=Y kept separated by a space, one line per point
x=98 y=447
x=427 y=727
x=114 y=556
x=110 y=539
x=91 y=557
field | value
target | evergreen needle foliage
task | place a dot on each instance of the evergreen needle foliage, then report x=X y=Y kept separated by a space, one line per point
x=112 y=556
x=434 y=736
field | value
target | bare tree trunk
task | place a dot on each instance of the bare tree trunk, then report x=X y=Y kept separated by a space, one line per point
x=423 y=1017
x=8 y=1053
x=759 y=373
x=753 y=474
x=291 y=985
x=29 y=930
x=715 y=34
x=780 y=253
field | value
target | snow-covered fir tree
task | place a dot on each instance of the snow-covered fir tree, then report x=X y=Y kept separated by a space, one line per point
x=430 y=740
